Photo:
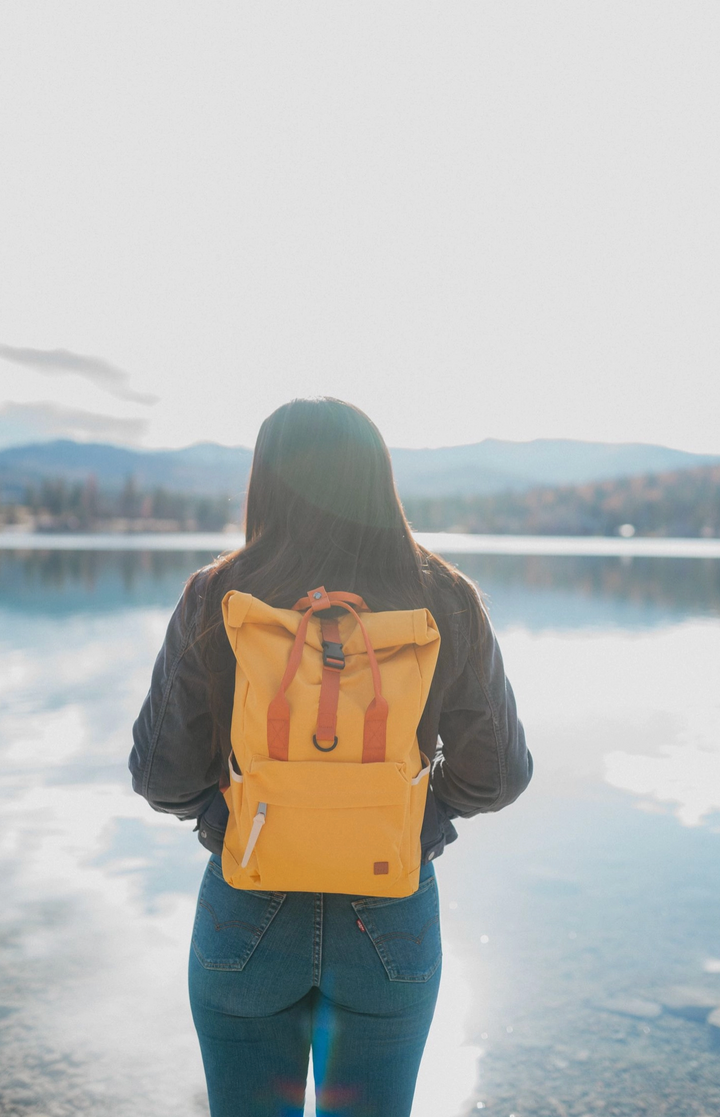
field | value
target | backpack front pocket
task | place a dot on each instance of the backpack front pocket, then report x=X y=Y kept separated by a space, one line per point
x=316 y=826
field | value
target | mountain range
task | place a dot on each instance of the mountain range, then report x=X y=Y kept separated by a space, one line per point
x=482 y=468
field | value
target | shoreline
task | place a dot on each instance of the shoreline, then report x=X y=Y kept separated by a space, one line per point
x=449 y=543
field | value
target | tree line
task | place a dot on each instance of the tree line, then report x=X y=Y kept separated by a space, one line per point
x=56 y=504
x=684 y=503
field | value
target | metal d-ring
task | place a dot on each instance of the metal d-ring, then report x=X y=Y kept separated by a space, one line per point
x=328 y=749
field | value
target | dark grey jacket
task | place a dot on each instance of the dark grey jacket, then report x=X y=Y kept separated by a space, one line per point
x=479 y=763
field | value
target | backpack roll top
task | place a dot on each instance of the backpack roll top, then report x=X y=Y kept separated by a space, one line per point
x=327 y=785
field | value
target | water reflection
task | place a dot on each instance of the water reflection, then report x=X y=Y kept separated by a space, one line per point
x=555 y=912
x=79 y=580
x=684 y=771
x=537 y=591
x=95 y=928
x=541 y=591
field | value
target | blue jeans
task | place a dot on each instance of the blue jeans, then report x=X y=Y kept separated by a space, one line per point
x=274 y=975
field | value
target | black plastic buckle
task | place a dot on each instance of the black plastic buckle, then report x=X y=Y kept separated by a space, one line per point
x=333 y=655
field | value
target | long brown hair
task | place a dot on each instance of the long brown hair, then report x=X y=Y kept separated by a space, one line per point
x=322 y=509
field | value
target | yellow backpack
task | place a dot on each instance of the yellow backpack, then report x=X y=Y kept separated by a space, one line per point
x=327 y=783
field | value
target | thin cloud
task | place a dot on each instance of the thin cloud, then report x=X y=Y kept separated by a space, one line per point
x=58 y=362
x=22 y=423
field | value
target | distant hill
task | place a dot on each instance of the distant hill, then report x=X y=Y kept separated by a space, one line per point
x=493 y=466
x=204 y=469
x=482 y=468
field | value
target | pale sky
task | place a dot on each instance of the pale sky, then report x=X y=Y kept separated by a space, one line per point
x=473 y=219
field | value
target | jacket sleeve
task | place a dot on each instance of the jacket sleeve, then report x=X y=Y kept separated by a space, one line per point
x=172 y=762
x=483 y=764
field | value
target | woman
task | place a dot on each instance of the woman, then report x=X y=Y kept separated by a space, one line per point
x=274 y=975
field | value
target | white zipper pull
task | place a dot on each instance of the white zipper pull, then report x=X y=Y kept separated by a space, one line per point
x=258 y=823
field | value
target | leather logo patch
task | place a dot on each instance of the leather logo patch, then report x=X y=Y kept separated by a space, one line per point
x=381 y=867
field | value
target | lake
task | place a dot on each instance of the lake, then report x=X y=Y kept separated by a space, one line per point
x=581 y=925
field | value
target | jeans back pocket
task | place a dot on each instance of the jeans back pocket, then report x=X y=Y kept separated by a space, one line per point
x=230 y=922
x=405 y=932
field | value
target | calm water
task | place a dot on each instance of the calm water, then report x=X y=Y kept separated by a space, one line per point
x=597 y=888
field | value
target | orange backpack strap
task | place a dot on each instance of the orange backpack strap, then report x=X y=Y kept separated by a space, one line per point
x=333 y=663
x=376 y=715
x=278 y=724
